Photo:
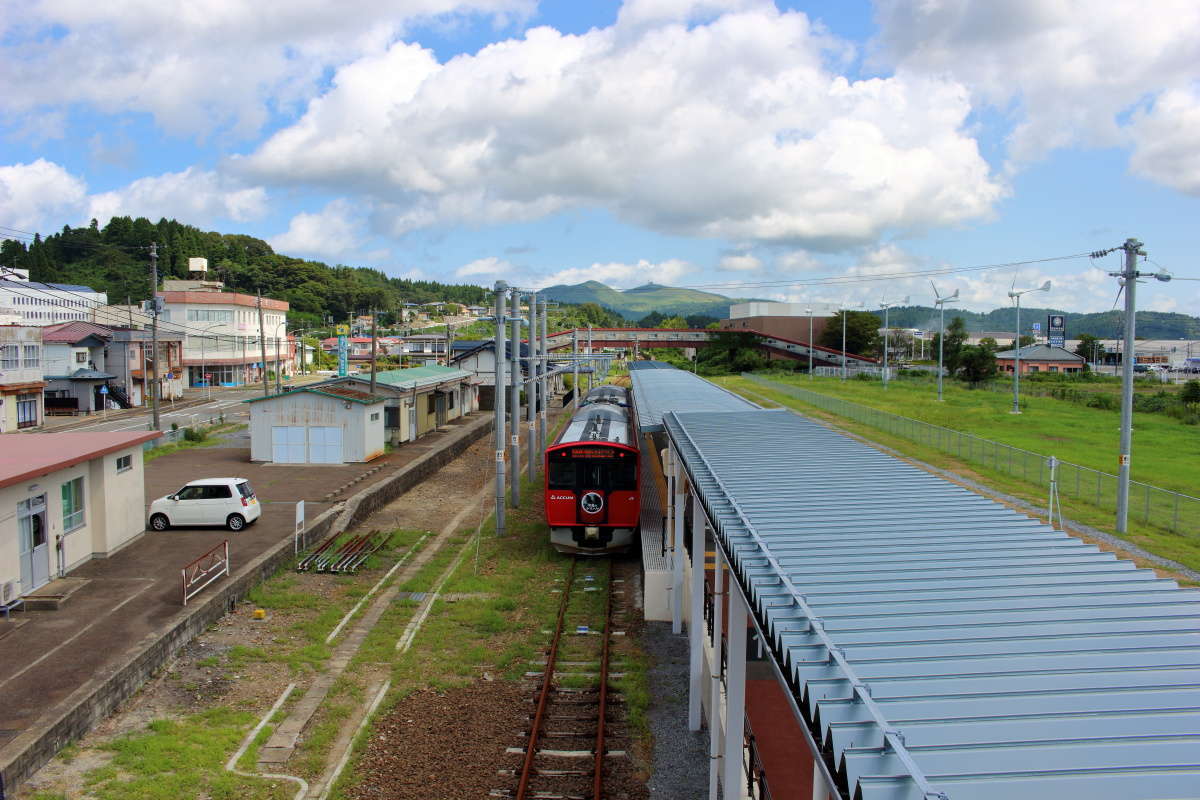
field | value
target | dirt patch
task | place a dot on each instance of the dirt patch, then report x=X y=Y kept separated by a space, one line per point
x=442 y=744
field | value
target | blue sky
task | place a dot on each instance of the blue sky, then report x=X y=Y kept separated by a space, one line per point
x=760 y=147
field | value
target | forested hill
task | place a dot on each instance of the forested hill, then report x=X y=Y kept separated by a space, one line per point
x=1104 y=324
x=116 y=259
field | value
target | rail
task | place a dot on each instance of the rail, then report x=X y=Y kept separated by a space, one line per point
x=204 y=570
x=1161 y=508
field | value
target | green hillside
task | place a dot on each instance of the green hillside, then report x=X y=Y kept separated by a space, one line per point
x=1105 y=324
x=638 y=302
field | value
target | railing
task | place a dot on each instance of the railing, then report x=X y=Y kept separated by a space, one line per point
x=203 y=571
x=756 y=774
x=176 y=435
x=1153 y=505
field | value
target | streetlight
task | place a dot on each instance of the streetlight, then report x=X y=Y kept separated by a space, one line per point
x=940 y=302
x=1045 y=287
x=886 y=331
x=845 y=309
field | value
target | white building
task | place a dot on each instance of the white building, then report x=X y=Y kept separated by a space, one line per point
x=21 y=378
x=66 y=498
x=221 y=330
x=36 y=303
x=319 y=424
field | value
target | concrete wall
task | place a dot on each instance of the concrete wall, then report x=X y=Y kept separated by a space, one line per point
x=95 y=700
x=118 y=501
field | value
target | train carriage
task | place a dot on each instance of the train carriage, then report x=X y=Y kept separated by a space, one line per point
x=592 y=497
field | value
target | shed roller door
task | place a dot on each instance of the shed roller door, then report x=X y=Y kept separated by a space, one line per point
x=325 y=445
x=287 y=444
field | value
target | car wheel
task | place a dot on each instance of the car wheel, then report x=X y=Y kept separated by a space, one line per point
x=235 y=522
x=159 y=522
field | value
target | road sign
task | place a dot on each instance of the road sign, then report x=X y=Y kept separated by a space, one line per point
x=342 y=330
x=103 y=390
x=1037 y=326
x=170 y=376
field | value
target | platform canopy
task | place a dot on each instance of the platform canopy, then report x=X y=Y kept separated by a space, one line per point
x=938 y=644
x=659 y=391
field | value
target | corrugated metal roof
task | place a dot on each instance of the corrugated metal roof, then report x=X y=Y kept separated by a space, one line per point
x=417 y=376
x=659 y=391
x=937 y=641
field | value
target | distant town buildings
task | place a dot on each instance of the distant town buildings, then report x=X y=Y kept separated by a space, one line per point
x=28 y=302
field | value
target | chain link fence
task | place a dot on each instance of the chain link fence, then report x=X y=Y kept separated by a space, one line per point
x=175 y=435
x=1161 y=508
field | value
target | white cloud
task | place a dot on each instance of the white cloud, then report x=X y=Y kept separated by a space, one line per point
x=1065 y=71
x=38 y=194
x=1167 y=141
x=195 y=196
x=197 y=66
x=490 y=266
x=623 y=276
x=740 y=262
x=333 y=233
x=734 y=128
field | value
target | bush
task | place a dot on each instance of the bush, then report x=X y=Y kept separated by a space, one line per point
x=1104 y=401
x=194 y=434
x=1190 y=393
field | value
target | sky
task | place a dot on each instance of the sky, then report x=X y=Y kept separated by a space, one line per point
x=754 y=148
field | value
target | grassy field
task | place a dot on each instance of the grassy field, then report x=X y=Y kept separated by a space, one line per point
x=1182 y=546
x=1166 y=453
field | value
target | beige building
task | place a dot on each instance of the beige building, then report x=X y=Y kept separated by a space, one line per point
x=66 y=498
x=22 y=383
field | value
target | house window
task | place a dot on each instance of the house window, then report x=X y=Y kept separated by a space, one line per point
x=72 y=504
x=375 y=417
x=81 y=358
x=10 y=357
x=27 y=412
x=209 y=315
x=451 y=400
x=33 y=356
x=124 y=463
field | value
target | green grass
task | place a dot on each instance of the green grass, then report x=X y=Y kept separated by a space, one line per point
x=1183 y=546
x=1166 y=453
x=175 y=758
x=212 y=435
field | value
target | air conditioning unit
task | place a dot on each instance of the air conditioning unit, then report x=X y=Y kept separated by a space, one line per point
x=9 y=592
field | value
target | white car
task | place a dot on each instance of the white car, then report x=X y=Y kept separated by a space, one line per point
x=209 y=501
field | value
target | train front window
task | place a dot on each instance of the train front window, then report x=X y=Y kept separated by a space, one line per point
x=561 y=474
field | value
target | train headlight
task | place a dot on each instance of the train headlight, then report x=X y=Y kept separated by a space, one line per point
x=591 y=532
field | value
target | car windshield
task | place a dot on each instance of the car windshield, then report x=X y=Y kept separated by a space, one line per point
x=244 y=488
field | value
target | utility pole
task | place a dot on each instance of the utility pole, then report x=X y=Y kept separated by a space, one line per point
x=1128 y=276
x=498 y=403
x=575 y=367
x=374 y=320
x=531 y=398
x=514 y=385
x=543 y=411
x=262 y=347
x=154 y=333
x=278 y=364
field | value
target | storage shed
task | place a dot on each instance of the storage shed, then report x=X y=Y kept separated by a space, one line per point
x=316 y=425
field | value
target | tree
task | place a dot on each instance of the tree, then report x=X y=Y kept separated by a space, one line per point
x=675 y=323
x=1089 y=347
x=862 y=330
x=956 y=337
x=989 y=343
x=1190 y=392
x=978 y=363
x=651 y=320
x=1025 y=341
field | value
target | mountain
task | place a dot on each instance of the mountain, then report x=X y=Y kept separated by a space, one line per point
x=1105 y=324
x=641 y=300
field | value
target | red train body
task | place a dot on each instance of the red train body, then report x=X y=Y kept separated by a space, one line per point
x=592 y=476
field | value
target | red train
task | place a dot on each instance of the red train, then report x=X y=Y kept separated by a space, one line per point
x=592 y=473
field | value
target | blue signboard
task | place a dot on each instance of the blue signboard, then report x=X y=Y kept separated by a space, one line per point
x=343 y=356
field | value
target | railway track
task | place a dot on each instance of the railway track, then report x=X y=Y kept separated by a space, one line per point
x=574 y=746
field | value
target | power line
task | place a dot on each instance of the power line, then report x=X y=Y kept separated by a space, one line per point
x=835 y=280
